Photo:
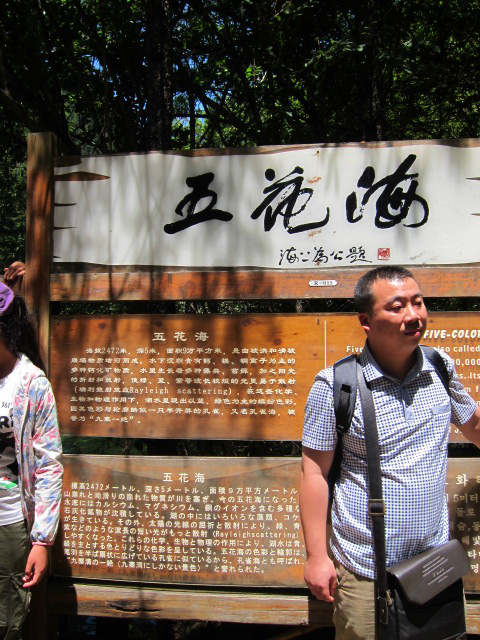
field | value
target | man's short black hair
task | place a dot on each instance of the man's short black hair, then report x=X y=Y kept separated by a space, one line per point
x=362 y=294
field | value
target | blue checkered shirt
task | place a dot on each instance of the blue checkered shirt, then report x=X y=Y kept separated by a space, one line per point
x=413 y=421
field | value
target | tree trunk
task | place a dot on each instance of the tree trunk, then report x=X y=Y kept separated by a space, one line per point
x=158 y=60
x=372 y=94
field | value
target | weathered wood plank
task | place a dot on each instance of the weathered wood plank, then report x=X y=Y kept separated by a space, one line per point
x=188 y=604
x=231 y=521
x=189 y=520
x=463 y=495
x=473 y=617
x=185 y=376
x=129 y=284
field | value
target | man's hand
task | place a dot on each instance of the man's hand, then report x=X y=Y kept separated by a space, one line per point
x=321 y=578
x=14 y=271
x=37 y=564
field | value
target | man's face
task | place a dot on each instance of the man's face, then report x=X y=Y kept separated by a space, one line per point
x=398 y=318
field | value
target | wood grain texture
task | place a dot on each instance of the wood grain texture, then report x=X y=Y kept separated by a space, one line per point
x=215 y=376
x=246 y=507
x=100 y=283
x=188 y=520
x=70 y=598
x=40 y=190
x=186 y=604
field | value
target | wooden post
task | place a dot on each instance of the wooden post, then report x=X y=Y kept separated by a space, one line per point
x=40 y=196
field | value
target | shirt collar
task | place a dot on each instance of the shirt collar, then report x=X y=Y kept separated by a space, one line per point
x=372 y=369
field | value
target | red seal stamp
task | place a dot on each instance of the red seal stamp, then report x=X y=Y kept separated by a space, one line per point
x=383 y=254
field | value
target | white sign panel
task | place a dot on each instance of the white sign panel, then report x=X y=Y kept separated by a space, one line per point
x=325 y=206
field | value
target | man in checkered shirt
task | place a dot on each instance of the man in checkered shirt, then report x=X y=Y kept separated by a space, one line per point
x=413 y=411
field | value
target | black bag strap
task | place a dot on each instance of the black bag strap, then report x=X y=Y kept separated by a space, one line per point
x=439 y=363
x=345 y=385
x=376 y=505
x=344 y=392
x=344 y=398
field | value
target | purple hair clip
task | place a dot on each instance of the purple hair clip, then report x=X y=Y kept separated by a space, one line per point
x=6 y=298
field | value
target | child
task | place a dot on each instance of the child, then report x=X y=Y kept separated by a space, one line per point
x=30 y=471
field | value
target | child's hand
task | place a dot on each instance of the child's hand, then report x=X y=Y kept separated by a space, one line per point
x=37 y=564
x=14 y=271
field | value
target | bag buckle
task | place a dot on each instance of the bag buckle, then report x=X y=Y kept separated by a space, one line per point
x=382 y=604
x=376 y=507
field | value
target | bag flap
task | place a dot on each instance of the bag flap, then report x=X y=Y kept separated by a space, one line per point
x=425 y=575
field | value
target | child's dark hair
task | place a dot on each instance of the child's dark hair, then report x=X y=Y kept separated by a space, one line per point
x=17 y=331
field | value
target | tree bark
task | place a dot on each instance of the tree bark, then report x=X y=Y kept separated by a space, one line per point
x=158 y=92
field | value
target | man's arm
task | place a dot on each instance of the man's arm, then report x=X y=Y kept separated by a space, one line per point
x=471 y=428
x=320 y=575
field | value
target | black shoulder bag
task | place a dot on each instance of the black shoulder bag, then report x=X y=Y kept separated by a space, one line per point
x=422 y=597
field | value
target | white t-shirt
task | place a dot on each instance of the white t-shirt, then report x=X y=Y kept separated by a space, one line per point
x=10 y=501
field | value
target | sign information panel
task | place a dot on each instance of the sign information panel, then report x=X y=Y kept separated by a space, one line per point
x=215 y=376
x=188 y=520
x=230 y=521
x=280 y=208
x=184 y=376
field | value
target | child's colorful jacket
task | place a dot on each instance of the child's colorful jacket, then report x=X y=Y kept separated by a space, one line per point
x=38 y=449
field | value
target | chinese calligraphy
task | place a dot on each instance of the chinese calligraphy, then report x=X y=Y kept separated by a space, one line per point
x=199 y=185
x=287 y=198
x=393 y=203
x=286 y=202
x=318 y=256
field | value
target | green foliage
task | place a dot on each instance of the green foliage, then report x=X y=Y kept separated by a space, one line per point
x=104 y=75
x=12 y=200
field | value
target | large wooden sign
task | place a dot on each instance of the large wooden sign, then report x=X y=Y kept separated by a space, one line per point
x=281 y=207
x=217 y=377
x=230 y=521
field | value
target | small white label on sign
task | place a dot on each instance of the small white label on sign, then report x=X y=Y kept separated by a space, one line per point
x=322 y=283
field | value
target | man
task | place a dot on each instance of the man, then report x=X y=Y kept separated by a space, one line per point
x=413 y=411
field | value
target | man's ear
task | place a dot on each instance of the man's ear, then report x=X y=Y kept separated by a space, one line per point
x=363 y=319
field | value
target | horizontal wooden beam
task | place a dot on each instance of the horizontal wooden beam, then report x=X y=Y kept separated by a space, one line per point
x=127 y=284
x=186 y=604
x=99 y=600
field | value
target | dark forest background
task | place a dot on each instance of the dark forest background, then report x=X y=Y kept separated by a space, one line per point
x=136 y=75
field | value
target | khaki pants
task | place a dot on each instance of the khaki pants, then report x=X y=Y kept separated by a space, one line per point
x=354 y=606
x=14 y=599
